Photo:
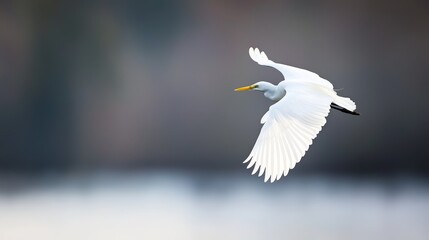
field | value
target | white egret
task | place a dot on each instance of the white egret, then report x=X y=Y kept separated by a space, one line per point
x=303 y=101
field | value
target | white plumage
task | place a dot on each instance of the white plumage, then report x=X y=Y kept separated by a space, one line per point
x=290 y=125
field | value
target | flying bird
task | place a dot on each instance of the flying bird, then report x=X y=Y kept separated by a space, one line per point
x=302 y=102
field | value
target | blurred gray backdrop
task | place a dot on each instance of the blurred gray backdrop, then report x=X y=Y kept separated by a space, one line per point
x=143 y=84
x=146 y=88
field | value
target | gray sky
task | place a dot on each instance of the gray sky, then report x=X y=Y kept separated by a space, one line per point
x=149 y=83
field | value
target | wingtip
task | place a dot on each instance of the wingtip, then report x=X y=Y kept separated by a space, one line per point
x=264 y=55
x=255 y=170
x=261 y=171
x=258 y=56
x=285 y=172
x=251 y=53
x=267 y=177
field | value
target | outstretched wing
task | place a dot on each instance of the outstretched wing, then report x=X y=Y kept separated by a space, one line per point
x=288 y=72
x=289 y=128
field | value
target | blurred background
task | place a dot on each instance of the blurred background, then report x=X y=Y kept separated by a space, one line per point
x=119 y=120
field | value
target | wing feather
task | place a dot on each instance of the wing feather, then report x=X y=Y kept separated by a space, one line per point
x=280 y=161
x=290 y=125
x=287 y=154
x=262 y=162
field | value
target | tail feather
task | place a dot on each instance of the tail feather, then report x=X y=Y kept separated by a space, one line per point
x=341 y=109
x=346 y=103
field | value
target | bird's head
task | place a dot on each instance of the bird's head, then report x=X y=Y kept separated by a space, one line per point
x=259 y=86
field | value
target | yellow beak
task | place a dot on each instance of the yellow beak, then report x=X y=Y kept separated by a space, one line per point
x=246 y=88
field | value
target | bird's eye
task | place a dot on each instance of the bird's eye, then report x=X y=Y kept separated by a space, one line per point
x=255 y=86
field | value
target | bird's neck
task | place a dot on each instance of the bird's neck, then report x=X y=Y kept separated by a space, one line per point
x=274 y=92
